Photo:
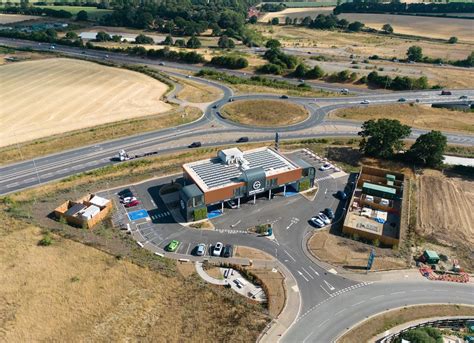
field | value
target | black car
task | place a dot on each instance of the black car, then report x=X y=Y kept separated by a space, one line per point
x=242 y=140
x=341 y=195
x=228 y=251
x=194 y=145
x=329 y=213
x=126 y=193
x=214 y=106
x=284 y=97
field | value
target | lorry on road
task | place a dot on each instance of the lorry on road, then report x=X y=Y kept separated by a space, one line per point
x=122 y=156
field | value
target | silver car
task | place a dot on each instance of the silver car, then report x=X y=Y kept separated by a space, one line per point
x=200 y=249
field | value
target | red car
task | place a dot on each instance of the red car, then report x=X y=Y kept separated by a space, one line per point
x=133 y=203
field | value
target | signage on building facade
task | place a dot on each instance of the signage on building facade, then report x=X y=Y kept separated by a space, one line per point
x=257 y=187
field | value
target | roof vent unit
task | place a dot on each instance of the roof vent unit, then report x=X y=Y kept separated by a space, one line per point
x=230 y=156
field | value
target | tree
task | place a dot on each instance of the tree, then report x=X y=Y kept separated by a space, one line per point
x=102 y=36
x=315 y=73
x=253 y=19
x=288 y=21
x=300 y=70
x=382 y=137
x=273 y=44
x=193 y=43
x=355 y=26
x=415 y=53
x=453 y=40
x=428 y=149
x=142 y=39
x=82 y=16
x=117 y=38
x=180 y=43
x=275 y=21
x=71 y=35
x=168 y=40
x=387 y=28
x=225 y=43
x=306 y=21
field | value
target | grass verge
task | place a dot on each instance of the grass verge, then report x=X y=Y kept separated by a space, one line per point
x=264 y=112
x=74 y=139
x=380 y=323
x=418 y=116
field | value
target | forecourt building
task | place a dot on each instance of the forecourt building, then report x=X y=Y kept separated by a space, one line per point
x=240 y=176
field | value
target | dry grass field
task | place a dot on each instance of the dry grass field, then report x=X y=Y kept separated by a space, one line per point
x=351 y=254
x=15 y=18
x=419 y=116
x=74 y=293
x=295 y=13
x=195 y=92
x=264 y=112
x=52 y=96
x=445 y=210
x=382 y=322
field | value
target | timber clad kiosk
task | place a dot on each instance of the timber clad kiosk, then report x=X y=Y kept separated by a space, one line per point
x=237 y=175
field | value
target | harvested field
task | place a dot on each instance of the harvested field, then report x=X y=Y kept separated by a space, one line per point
x=264 y=112
x=15 y=18
x=445 y=210
x=93 y=296
x=295 y=13
x=417 y=26
x=351 y=254
x=419 y=116
x=52 y=96
x=198 y=93
x=378 y=324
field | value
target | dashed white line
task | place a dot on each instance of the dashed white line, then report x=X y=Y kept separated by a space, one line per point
x=360 y=302
x=329 y=285
x=302 y=275
x=286 y=252
x=338 y=312
x=402 y=292
x=314 y=270
x=311 y=276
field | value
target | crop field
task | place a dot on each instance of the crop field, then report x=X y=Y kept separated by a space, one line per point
x=295 y=13
x=46 y=97
x=14 y=18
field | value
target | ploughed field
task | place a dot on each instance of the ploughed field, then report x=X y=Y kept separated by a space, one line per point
x=45 y=97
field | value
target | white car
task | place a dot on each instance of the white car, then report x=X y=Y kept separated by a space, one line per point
x=128 y=200
x=325 y=166
x=365 y=102
x=321 y=216
x=200 y=249
x=316 y=221
x=217 y=250
x=231 y=204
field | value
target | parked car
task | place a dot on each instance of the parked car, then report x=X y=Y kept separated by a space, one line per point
x=324 y=218
x=231 y=99
x=228 y=251
x=402 y=100
x=231 y=204
x=200 y=249
x=194 y=145
x=341 y=195
x=128 y=200
x=446 y=92
x=162 y=63
x=173 y=245
x=365 y=102
x=242 y=140
x=133 y=203
x=325 y=166
x=329 y=213
x=317 y=222
x=214 y=106
x=126 y=193
x=463 y=97
x=217 y=250
x=284 y=97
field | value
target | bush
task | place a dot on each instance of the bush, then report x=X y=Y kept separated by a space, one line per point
x=230 y=62
x=142 y=39
x=270 y=68
x=303 y=185
x=200 y=214
x=453 y=40
x=46 y=240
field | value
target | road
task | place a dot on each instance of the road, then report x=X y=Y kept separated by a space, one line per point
x=329 y=302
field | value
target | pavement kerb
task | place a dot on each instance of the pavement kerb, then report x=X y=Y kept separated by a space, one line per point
x=202 y=273
x=285 y=320
x=392 y=309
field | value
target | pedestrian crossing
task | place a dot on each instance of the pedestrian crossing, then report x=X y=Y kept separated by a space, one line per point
x=231 y=231
x=323 y=178
x=161 y=215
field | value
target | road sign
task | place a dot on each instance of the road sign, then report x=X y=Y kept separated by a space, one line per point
x=371 y=259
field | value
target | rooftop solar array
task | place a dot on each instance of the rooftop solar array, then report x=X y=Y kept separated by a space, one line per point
x=214 y=173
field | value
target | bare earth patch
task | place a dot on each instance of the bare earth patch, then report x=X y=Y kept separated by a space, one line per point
x=351 y=254
x=264 y=112
x=419 y=116
x=47 y=97
x=15 y=18
x=251 y=253
x=378 y=324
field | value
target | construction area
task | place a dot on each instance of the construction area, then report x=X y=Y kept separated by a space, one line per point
x=375 y=206
x=85 y=212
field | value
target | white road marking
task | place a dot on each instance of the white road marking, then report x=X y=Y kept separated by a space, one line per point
x=322 y=323
x=378 y=296
x=286 y=252
x=302 y=275
x=324 y=289
x=402 y=292
x=314 y=270
x=304 y=340
x=329 y=285
x=311 y=276
x=153 y=202
x=335 y=314
x=360 y=302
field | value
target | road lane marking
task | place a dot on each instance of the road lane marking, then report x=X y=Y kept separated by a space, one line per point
x=335 y=314
x=314 y=270
x=360 y=302
x=286 y=252
x=302 y=275
x=402 y=292
x=378 y=296
x=304 y=340
x=324 y=289
x=329 y=285
x=311 y=276
x=322 y=323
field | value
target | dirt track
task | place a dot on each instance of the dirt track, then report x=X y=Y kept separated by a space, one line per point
x=445 y=210
x=46 y=97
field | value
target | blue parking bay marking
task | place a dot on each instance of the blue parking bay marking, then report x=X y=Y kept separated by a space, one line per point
x=140 y=214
